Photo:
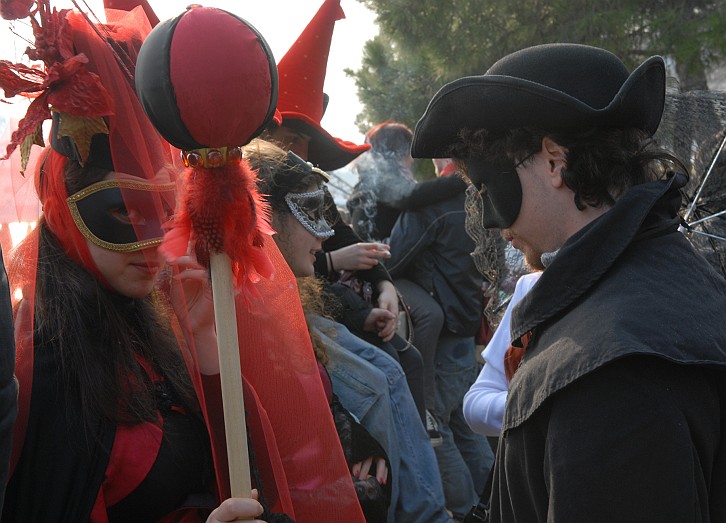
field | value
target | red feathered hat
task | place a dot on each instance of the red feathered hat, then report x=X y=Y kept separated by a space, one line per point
x=301 y=100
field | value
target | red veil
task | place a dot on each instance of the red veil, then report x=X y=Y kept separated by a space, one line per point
x=277 y=358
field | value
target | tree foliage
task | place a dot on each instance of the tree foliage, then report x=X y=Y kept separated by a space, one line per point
x=424 y=44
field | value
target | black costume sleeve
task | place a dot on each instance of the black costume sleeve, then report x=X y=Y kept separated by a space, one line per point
x=8 y=385
x=430 y=192
x=66 y=491
x=343 y=237
x=347 y=307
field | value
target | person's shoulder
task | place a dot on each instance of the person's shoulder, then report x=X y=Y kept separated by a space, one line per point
x=430 y=192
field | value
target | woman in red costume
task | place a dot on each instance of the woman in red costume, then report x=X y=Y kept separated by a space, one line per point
x=116 y=421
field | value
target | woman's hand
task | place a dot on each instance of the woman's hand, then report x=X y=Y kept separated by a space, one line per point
x=237 y=509
x=388 y=297
x=362 y=469
x=191 y=295
x=382 y=322
x=359 y=256
x=191 y=298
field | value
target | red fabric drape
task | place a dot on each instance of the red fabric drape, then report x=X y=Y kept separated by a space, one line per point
x=278 y=360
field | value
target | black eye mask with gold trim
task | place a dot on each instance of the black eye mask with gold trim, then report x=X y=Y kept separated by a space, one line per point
x=123 y=215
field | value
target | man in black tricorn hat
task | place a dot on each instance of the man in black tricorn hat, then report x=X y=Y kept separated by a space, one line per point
x=617 y=391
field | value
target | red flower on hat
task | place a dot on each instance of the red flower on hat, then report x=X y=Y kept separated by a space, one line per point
x=15 y=9
x=65 y=85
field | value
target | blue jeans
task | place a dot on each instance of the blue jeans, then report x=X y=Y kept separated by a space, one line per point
x=372 y=386
x=464 y=457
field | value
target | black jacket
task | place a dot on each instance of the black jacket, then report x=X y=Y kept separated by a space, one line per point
x=8 y=385
x=372 y=216
x=430 y=247
x=617 y=412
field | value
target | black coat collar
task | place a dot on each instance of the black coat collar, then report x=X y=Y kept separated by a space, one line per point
x=628 y=284
x=590 y=252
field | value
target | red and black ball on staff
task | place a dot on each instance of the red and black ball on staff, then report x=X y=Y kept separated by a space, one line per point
x=208 y=82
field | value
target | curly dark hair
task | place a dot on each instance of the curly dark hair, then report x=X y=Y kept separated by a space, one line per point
x=602 y=164
x=276 y=175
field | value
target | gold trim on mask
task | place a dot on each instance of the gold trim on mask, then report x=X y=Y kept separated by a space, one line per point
x=112 y=184
x=325 y=176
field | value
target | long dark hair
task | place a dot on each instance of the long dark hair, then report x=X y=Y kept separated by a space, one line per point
x=97 y=334
x=276 y=177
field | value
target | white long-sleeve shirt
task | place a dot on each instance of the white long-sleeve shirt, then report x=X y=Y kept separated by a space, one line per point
x=485 y=401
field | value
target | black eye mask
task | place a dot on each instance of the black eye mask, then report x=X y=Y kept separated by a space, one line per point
x=123 y=215
x=500 y=191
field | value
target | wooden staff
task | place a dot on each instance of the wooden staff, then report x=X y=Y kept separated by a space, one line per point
x=210 y=105
x=230 y=375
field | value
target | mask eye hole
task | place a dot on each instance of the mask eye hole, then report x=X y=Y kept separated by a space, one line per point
x=121 y=214
x=128 y=216
x=316 y=213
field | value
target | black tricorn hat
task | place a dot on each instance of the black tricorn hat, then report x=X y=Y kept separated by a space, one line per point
x=556 y=87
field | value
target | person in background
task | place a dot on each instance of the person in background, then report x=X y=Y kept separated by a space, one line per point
x=371 y=385
x=565 y=167
x=485 y=400
x=386 y=188
x=384 y=176
x=301 y=104
x=430 y=259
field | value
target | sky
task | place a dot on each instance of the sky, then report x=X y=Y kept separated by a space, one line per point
x=280 y=22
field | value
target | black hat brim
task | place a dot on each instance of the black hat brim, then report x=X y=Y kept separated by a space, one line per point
x=498 y=102
x=324 y=151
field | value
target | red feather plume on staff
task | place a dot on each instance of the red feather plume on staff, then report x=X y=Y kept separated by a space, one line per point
x=221 y=211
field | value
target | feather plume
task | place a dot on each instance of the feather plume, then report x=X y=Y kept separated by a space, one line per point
x=221 y=211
